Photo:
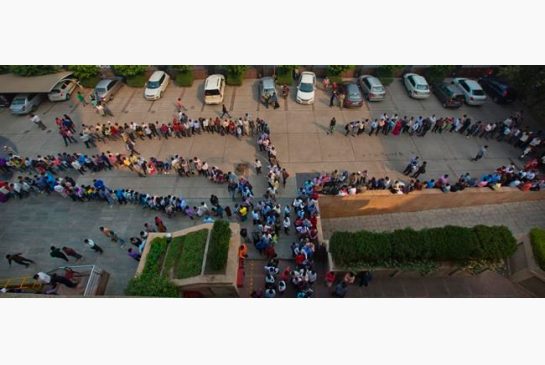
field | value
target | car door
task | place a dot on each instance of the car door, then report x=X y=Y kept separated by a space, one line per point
x=408 y=83
x=366 y=86
x=465 y=88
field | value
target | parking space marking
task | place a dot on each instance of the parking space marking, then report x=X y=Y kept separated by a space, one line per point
x=151 y=106
x=233 y=99
x=48 y=110
x=124 y=110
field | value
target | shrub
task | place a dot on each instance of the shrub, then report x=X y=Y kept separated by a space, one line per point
x=537 y=237
x=408 y=247
x=190 y=262
x=439 y=72
x=151 y=285
x=84 y=72
x=184 y=79
x=386 y=73
x=4 y=69
x=337 y=70
x=182 y=68
x=136 y=81
x=156 y=254
x=218 y=247
x=32 y=70
x=235 y=74
x=129 y=71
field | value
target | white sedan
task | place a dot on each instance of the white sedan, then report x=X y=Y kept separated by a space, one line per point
x=63 y=90
x=306 y=88
x=473 y=92
x=416 y=86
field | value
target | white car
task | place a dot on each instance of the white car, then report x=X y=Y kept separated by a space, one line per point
x=63 y=90
x=416 y=86
x=306 y=88
x=156 y=85
x=473 y=92
x=214 y=89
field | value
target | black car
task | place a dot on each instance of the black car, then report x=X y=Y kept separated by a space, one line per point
x=448 y=94
x=498 y=90
x=353 y=96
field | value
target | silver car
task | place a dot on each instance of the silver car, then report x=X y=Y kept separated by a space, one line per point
x=267 y=88
x=372 y=88
x=25 y=103
x=106 y=88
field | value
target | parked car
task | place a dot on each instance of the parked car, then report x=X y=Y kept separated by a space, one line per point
x=63 y=90
x=353 y=96
x=267 y=88
x=473 y=92
x=499 y=90
x=448 y=94
x=372 y=88
x=156 y=85
x=5 y=100
x=25 y=103
x=214 y=89
x=106 y=88
x=416 y=86
x=306 y=87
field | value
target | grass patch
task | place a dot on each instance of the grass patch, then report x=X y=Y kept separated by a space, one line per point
x=190 y=262
x=234 y=80
x=136 y=81
x=156 y=255
x=90 y=83
x=284 y=78
x=151 y=285
x=537 y=237
x=184 y=79
x=218 y=247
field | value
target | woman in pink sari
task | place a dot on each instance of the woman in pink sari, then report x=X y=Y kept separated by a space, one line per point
x=397 y=128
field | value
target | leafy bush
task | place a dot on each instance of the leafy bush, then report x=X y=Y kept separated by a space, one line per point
x=33 y=70
x=156 y=254
x=129 y=71
x=537 y=237
x=235 y=74
x=84 y=72
x=136 y=81
x=4 y=69
x=151 y=285
x=438 y=72
x=190 y=262
x=218 y=247
x=386 y=73
x=184 y=79
x=337 y=70
x=182 y=68
x=408 y=247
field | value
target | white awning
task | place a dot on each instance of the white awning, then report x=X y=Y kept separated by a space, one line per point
x=13 y=84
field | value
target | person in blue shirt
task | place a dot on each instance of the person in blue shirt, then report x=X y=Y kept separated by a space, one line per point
x=430 y=184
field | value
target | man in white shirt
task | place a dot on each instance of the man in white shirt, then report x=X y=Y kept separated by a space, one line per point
x=93 y=245
x=36 y=120
x=43 y=278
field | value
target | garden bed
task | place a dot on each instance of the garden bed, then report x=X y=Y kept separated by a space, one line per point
x=537 y=238
x=218 y=248
x=184 y=79
x=185 y=255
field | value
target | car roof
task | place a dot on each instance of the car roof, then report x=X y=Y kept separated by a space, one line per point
x=156 y=75
x=417 y=78
x=307 y=76
x=471 y=83
x=105 y=82
x=213 y=81
x=268 y=82
x=20 y=96
x=351 y=86
x=374 y=81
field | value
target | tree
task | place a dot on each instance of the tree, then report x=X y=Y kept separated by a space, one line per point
x=4 y=69
x=32 y=70
x=286 y=69
x=129 y=70
x=336 y=70
x=386 y=73
x=529 y=81
x=235 y=70
x=439 y=72
x=84 y=72
x=182 y=68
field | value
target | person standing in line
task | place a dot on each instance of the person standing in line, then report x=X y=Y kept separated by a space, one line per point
x=38 y=121
x=56 y=252
x=286 y=224
x=332 y=99
x=224 y=111
x=421 y=170
x=134 y=254
x=257 y=165
x=17 y=258
x=160 y=225
x=480 y=154
x=410 y=166
x=71 y=252
x=332 y=124
x=93 y=245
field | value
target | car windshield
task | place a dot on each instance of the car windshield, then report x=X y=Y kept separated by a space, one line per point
x=211 y=92
x=100 y=90
x=422 y=87
x=269 y=91
x=153 y=84
x=18 y=101
x=306 y=88
x=353 y=91
x=377 y=89
x=478 y=92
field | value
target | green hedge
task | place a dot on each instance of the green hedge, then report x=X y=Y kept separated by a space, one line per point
x=537 y=237
x=151 y=285
x=137 y=81
x=283 y=78
x=386 y=73
x=234 y=80
x=186 y=254
x=156 y=255
x=449 y=243
x=218 y=247
x=90 y=82
x=184 y=79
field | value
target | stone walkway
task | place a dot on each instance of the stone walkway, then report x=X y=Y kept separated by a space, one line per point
x=519 y=217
